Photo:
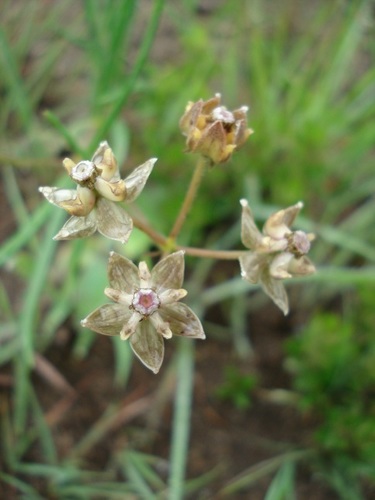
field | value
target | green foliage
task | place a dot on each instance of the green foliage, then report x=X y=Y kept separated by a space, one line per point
x=333 y=363
x=237 y=387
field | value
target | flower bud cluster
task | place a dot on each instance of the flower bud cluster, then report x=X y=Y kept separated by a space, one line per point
x=212 y=130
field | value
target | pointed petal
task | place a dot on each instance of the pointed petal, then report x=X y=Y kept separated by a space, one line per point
x=182 y=320
x=301 y=267
x=252 y=264
x=105 y=161
x=68 y=165
x=148 y=345
x=118 y=296
x=112 y=221
x=108 y=319
x=190 y=117
x=213 y=143
x=136 y=181
x=275 y=290
x=278 y=224
x=172 y=295
x=279 y=265
x=169 y=272
x=144 y=275
x=131 y=326
x=114 y=191
x=250 y=235
x=99 y=153
x=77 y=227
x=122 y=273
x=162 y=327
x=78 y=201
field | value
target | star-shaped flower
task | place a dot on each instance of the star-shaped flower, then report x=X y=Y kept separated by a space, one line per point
x=146 y=308
x=212 y=130
x=92 y=205
x=277 y=254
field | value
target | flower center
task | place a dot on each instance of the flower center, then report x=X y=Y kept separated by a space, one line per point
x=145 y=301
x=222 y=114
x=83 y=171
x=299 y=243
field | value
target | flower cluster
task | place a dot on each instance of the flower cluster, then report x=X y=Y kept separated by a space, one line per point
x=277 y=254
x=212 y=130
x=146 y=308
x=92 y=205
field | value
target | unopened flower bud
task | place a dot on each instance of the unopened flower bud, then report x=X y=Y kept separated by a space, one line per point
x=212 y=130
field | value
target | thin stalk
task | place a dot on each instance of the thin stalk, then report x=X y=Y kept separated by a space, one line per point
x=163 y=242
x=181 y=419
x=189 y=198
x=143 y=226
x=213 y=254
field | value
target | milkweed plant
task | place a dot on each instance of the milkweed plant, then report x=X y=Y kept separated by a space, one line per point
x=146 y=305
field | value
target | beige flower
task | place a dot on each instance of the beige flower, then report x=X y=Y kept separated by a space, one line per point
x=277 y=254
x=212 y=130
x=147 y=307
x=92 y=205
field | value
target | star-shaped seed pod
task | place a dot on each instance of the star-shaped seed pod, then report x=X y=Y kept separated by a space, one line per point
x=212 y=130
x=276 y=254
x=147 y=308
x=92 y=204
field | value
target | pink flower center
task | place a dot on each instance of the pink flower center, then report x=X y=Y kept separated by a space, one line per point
x=145 y=301
x=299 y=243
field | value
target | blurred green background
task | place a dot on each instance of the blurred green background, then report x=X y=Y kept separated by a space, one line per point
x=78 y=419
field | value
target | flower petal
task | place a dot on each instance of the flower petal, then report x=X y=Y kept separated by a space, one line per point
x=78 y=201
x=275 y=290
x=114 y=191
x=278 y=224
x=169 y=272
x=252 y=264
x=122 y=273
x=162 y=327
x=106 y=162
x=77 y=227
x=108 y=319
x=279 y=265
x=148 y=345
x=131 y=326
x=182 y=320
x=112 y=221
x=213 y=143
x=301 y=266
x=118 y=296
x=250 y=235
x=172 y=295
x=137 y=179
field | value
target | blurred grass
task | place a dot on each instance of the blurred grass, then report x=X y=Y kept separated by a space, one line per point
x=73 y=74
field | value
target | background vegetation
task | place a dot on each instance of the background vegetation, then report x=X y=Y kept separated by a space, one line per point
x=75 y=73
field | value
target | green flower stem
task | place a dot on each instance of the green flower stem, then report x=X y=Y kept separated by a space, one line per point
x=189 y=198
x=181 y=419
